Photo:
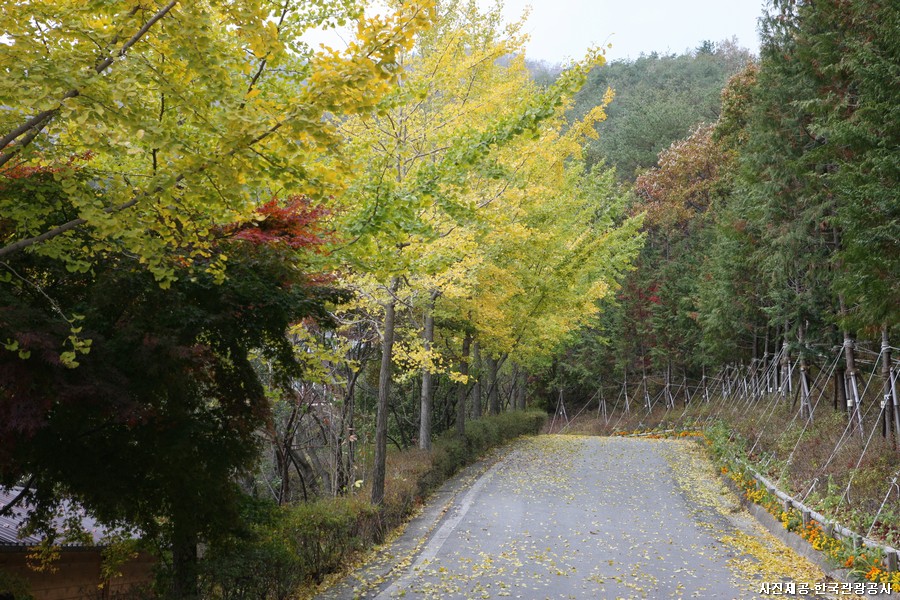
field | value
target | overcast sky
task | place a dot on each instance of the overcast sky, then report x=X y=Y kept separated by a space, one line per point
x=563 y=29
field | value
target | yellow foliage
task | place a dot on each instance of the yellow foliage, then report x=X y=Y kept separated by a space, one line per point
x=468 y=185
x=181 y=113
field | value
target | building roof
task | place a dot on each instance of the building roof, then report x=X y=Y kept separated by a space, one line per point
x=12 y=522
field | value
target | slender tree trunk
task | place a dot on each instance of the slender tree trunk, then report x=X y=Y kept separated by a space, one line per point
x=384 y=391
x=476 y=389
x=461 y=391
x=670 y=399
x=840 y=396
x=647 y=401
x=776 y=371
x=493 y=386
x=281 y=466
x=280 y=444
x=307 y=471
x=785 y=368
x=891 y=414
x=349 y=433
x=705 y=387
x=514 y=387
x=852 y=391
x=852 y=375
x=427 y=397
x=891 y=388
x=284 y=468
x=405 y=442
x=805 y=404
x=754 y=364
x=520 y=390
x=506 y=400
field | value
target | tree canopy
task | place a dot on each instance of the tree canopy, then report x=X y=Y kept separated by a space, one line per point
x=192 y=115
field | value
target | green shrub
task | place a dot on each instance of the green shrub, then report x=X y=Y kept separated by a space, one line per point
x=283 y=548
x=14 y=587
x=452 y=453
x=254 y=563
x=322 y=533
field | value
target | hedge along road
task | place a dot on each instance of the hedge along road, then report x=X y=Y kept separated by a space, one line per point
x=586 y=517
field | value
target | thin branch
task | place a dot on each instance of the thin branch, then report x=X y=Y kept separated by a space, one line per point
x=53 y=304
x=7 y=509
x=56 y=231
x=265 y=59
x=37 y=123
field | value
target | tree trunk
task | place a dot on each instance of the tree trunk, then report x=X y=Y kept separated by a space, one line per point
x=705 y=388
x=805 y=404
x=754 y=365
x=851 y=381
x=776 y=370
x=284 y=468
x=348 y=413
x=402 y=429
x=493 y=387
x=476 y=389
x=520 y=390
x=785 y=368
x=427 y=384
x=840 y=397
x=852 y=374
x=461 y=391
x=670 y=399
x=384 y=391
x=891 y=413
x=184 y=559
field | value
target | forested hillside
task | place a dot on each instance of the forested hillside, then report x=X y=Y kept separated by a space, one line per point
x=773 y=229
x=763 y=308
x=658 y=99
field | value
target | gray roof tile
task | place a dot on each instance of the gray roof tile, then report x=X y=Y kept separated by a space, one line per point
x=10 y=523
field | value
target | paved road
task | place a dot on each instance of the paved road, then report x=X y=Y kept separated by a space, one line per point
x=586 y=517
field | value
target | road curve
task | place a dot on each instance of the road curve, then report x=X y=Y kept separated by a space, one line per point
x=587 y=517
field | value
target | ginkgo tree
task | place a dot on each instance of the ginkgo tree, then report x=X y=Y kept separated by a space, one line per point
x=192 y=114
x=414 y=158
x=558 y=245
x=442 y=178
x=453 y=106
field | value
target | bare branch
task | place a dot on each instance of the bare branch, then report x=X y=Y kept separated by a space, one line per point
x=7 y=509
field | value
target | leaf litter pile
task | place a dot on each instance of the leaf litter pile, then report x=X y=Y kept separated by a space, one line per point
x=592 y=517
